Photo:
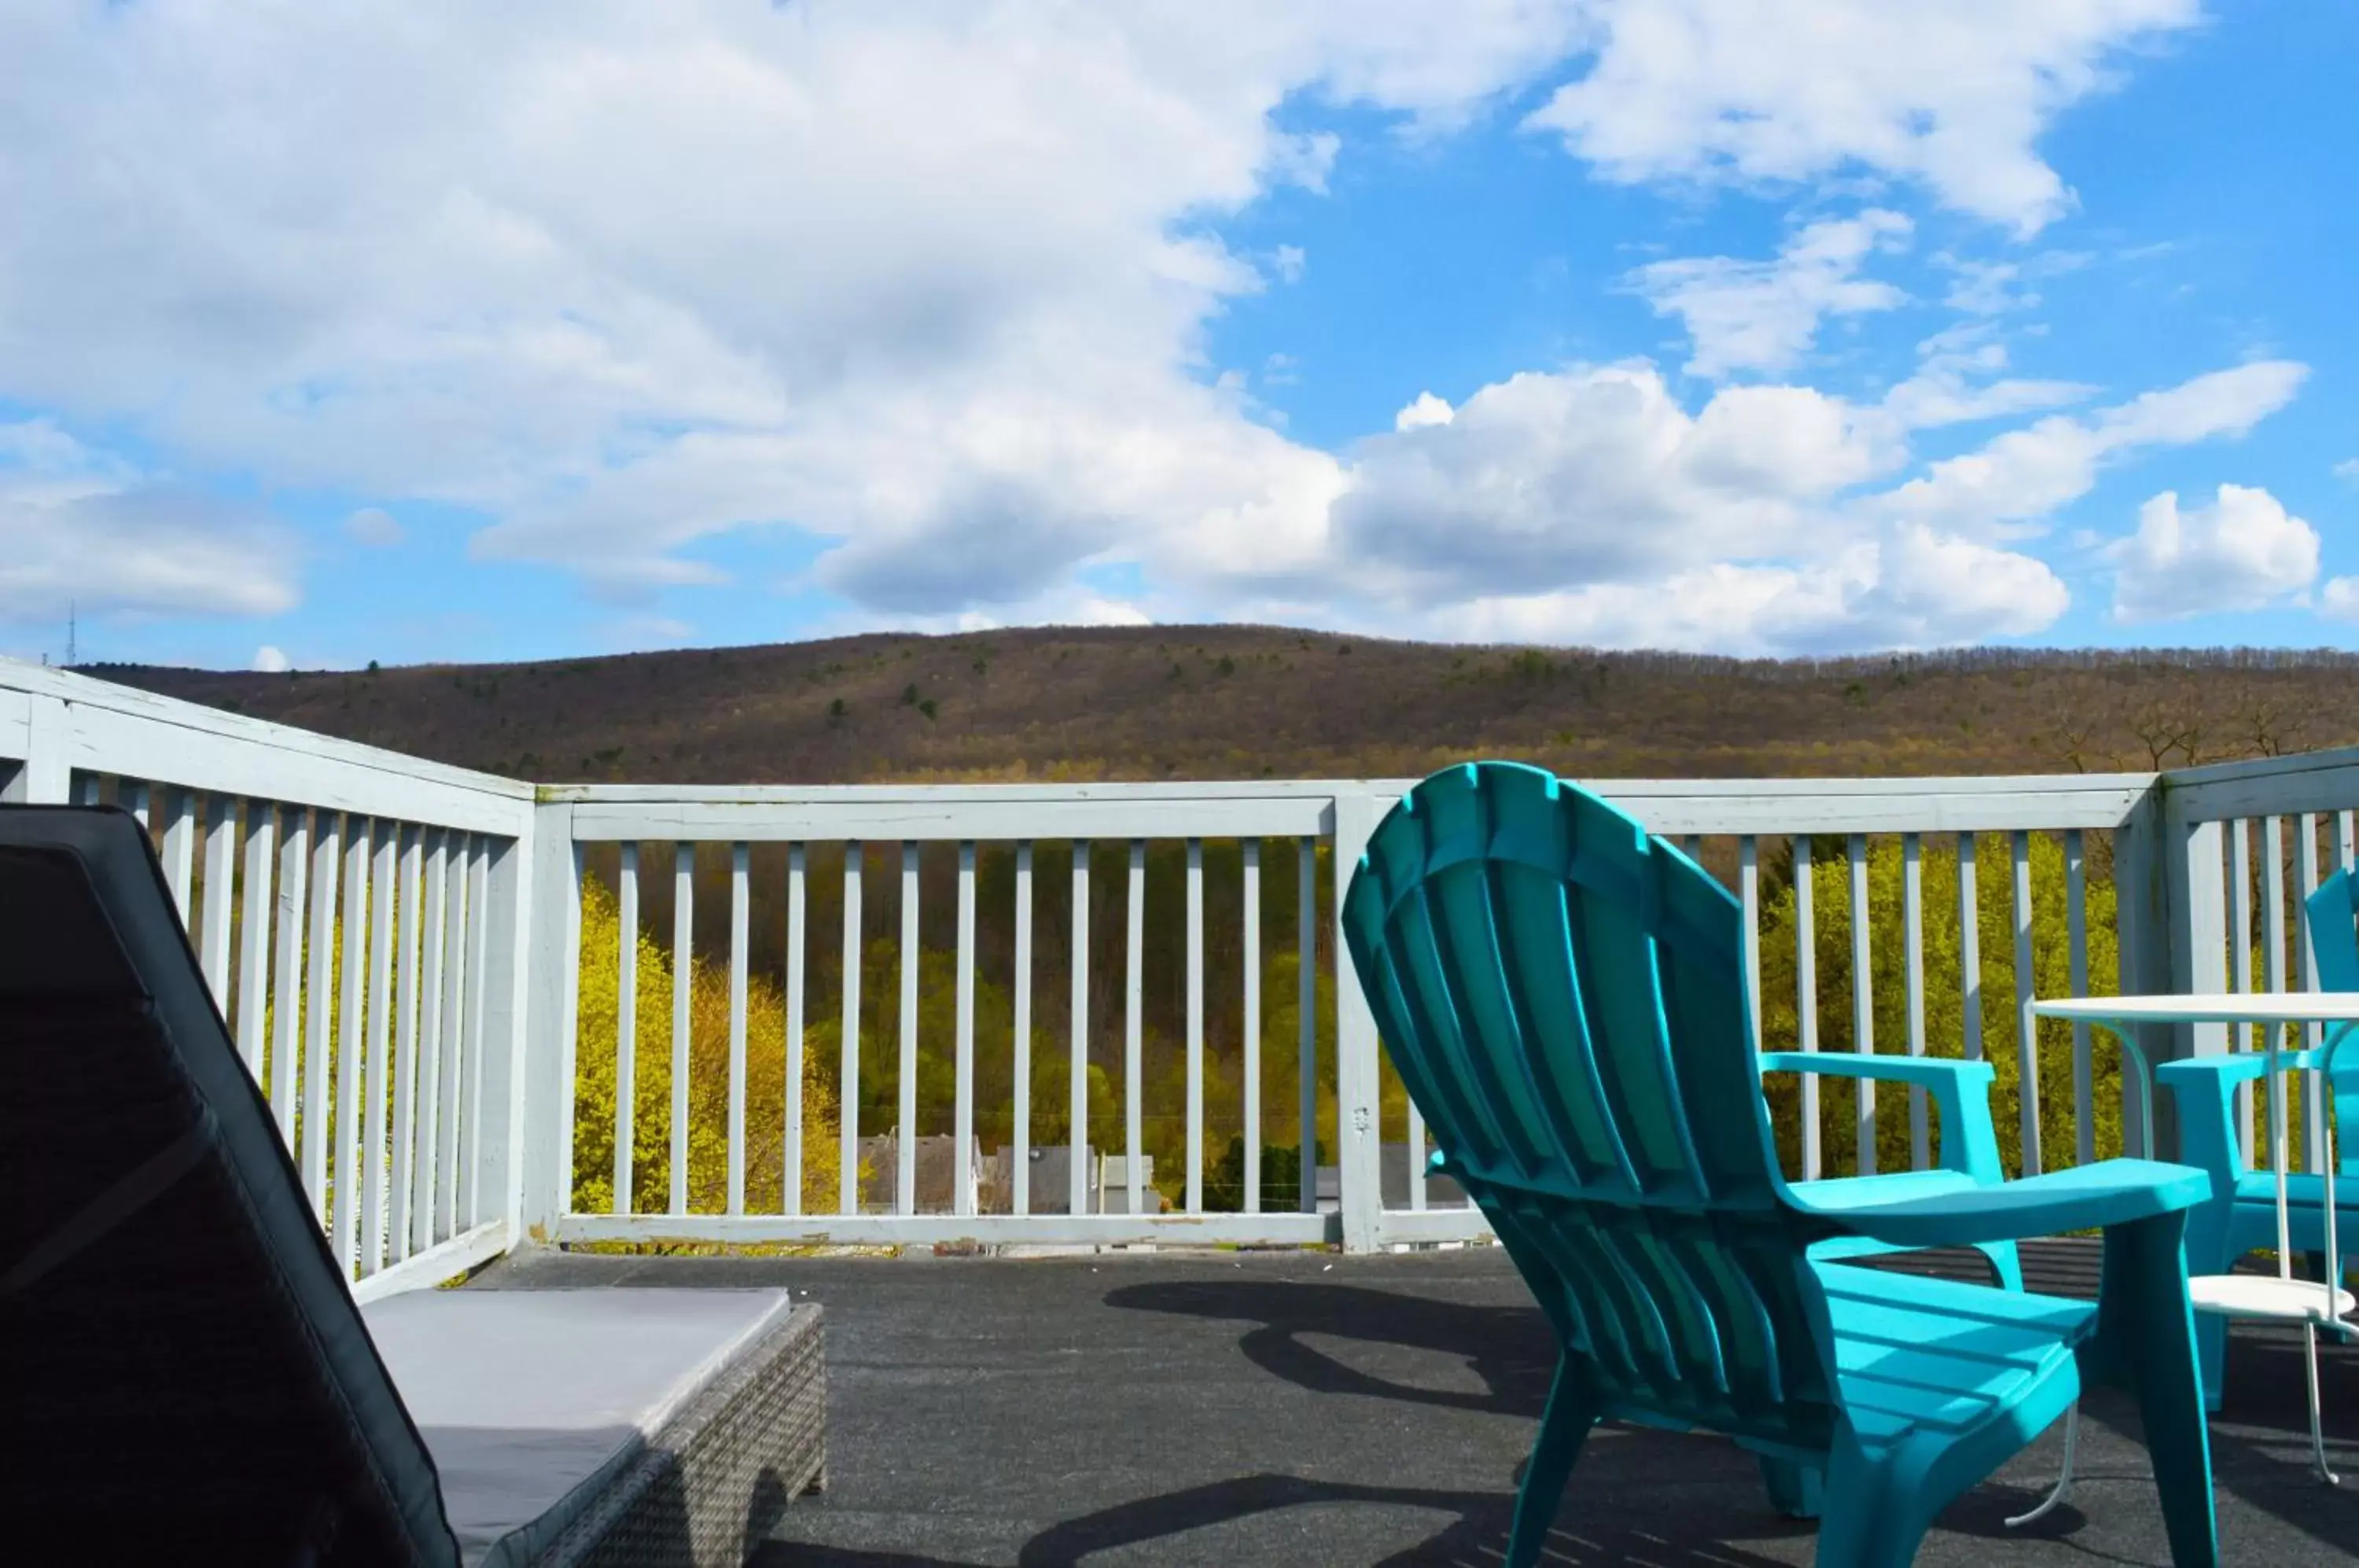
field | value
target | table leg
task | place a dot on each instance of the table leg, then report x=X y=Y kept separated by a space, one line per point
x=2148 y=1331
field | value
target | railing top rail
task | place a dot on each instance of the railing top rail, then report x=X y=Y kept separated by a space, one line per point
x=1276 y=807
x=109 y=729
x=2263 y=786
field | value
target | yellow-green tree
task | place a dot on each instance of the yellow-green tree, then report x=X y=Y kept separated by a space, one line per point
x=1944 y=996
x=708 y=1101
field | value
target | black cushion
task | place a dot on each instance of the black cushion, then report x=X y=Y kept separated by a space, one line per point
x=186 y=1378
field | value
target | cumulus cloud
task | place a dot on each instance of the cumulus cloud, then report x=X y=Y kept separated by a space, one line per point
x=1589 y=476
x=80 y=526
x=2339 y=599
x=2026 y=474
x=1951 y=93
x=374 y=527
x=2349 y=469
x=269 y=660
x=1912 y=588
x=2242 y=552
x=1765 y=315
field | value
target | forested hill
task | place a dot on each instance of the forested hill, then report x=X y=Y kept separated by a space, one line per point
x=1244 y=702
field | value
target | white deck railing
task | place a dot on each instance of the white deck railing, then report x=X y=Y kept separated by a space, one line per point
x=459 y=998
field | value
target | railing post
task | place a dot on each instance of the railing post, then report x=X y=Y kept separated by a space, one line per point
x=48 y=770
x=1358 y=1133
x=507 y=982
x=549 y=932
x=2168 y=897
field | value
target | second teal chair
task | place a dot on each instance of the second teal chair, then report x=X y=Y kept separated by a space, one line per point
x=1565 y=1002
x=2242 y=1213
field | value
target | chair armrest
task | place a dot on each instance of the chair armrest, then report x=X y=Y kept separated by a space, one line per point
x=1961 y=1092
x=2188 y=1073
x=1927 y=1072
x=2112 y=1192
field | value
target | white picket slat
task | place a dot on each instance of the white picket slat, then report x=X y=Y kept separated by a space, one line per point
x=1305 y=947
x=1912 y=942
x=319 y=987
x=798 y=942
x=433 y=965
x=627 y=1020
x=345 y=1176
x=740 y=918
x=180 y=852
x=1195 y=1044
x=1251 y=854
x=1863 y=1001
x=1020 y=1174
x=683 y=965
x=253 y=954
x=219 y=901
x=2076 y=944
x=848 y=1058
x=1078 y=1140
x=1748 y=893
x=1970 y=953
x=962 y=1193
x=905 y=1130
x=2026 y=1027
x=374 y=1111
x=1134 y=1023
x=412 y=916
x=1806 y=998
x=287 y=976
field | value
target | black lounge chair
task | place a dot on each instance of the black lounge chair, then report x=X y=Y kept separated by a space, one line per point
x=186 y=1377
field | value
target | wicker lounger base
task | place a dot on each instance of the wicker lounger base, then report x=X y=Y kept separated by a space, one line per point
x=717 y=1476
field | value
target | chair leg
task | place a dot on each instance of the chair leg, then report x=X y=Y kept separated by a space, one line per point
x=1795 y=1490
x=2063 y=1487
x=2004 y=1263
x=1870 y=1522
x=1572 y=1412
x=2211 y=1357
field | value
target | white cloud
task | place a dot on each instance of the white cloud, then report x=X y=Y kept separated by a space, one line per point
x=269 y=660
x=1593 y=476
x=1428 y=410
x=1953 y=93
x=1765 y=315
x=1910 y=589
x=374 y=527
x=2240 y=553
x=2339 y=599
x=80 y=526
x=1949 y=387
x=2349 y=469
x=2025 y=474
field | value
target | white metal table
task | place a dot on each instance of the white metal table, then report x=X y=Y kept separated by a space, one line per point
x=2283 y=1299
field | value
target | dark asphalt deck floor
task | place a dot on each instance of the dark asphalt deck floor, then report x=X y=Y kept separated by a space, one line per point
x=1292 y=1407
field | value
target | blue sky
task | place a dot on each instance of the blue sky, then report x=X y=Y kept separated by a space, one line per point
x=426 y=332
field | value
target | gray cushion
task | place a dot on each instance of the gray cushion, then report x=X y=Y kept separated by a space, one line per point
x=531 y=1401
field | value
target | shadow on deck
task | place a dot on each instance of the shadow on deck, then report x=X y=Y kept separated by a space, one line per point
x=1314 y=1408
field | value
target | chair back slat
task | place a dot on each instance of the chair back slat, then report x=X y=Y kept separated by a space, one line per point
x=2333 y=921
x=1564 y=999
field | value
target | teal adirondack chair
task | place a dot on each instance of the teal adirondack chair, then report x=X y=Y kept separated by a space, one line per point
x=1565 y=1002
x=2242 y=1213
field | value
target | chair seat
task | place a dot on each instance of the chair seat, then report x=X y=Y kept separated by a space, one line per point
x=1852 y=1191
x=2305 y=1191
x=1914 y=1353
